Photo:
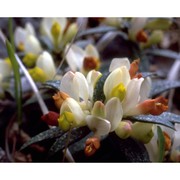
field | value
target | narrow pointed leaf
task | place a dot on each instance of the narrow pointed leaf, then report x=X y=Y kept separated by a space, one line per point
x=167 y=119
x=161 y=144
x=163 y=85
x=48 y=134
x=76 y=135
x=18 y=88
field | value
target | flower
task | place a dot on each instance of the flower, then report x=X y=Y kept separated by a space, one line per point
x=83 y=60
x=44 y=67
x=58 y=30
x=25 y=39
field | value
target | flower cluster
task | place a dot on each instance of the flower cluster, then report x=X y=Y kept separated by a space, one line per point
x=126 y=94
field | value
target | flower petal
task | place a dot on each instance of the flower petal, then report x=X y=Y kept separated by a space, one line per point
x=114 y=112
x=119 y=62
x=99 y=125
x=71 y=105
x=75 y=57
x=119 y=75
x=46 y=63
x=92 y=78
x=91 y=51
x=80 y=83
x=29 y=28
x=5 y=69
x=132 y=96
x=19 y=36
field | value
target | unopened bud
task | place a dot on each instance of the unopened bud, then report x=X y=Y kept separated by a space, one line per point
x=51 y=118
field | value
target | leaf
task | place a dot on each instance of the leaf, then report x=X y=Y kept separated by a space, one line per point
x=18 y=88
x=98 y=90
x=48 y=134
x=164 y=53
x=163 y=85
x=76 y=134
x=167 y=119
x=161 y=144
x=159 y=23
x=52 y=84
x=96 y=30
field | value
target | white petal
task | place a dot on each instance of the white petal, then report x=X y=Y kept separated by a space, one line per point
x=32 y=45
x=5 y=69
x=91 y=51
x=132 y=96
x=99 y=125
x=114 y=112
x=145 y=89
x=29 y=28
x=67 y=85
x=81 y=85
x=19 y=36
x=92 y=78
x=46 y=63
x=119 y=75
x=75 y=57
x=71 y=105
x=119 y=62
x=138 y=24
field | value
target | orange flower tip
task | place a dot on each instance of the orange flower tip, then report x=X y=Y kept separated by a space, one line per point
x=91 y=146
x=167 y=141
x=59 y=97
x=134 y=67
x=51 y=118
x=142 y=36
x=90 y=63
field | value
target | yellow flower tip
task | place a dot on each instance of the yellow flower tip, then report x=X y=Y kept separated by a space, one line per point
x=91 y=63
x=51 y=118
x=21 y=46
x=30 y=59
x=91 y=146
x=37 y=74
x=59 y=98
x=119 y=91
x=66 y=120
x=55 y=30
x=167 y=141
x=134 y=67
x=142 y=36
x=124 y=129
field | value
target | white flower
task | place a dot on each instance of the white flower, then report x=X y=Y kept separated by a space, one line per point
x=46 y=63
x=82 y=60
x=25 y=39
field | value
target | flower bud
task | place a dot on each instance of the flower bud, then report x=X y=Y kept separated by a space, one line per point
x=142 y=36
x=91 y=63
x=91 y=146
x=51 y=118
x=124 y=129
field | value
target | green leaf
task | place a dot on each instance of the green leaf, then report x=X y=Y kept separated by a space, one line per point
x=159 y=23
x=11 y=34
x=164 y=53
x=163 y=85
x=48 y=134
x=55 y=84
x=18 y=88
x=166 y=119
x=98 y=90
x=161 y=144
x=97 y=30
x=76 y=135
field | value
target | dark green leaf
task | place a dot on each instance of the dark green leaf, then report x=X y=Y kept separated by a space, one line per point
x=96 y=30
x=48 y=134
x=98 y=90
x=18 y=88
x=159 y=23
x=163 y=85
x=76 y=135
x=164 y=53
x=167 y=119
x=52 y=84
x=161 y=144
